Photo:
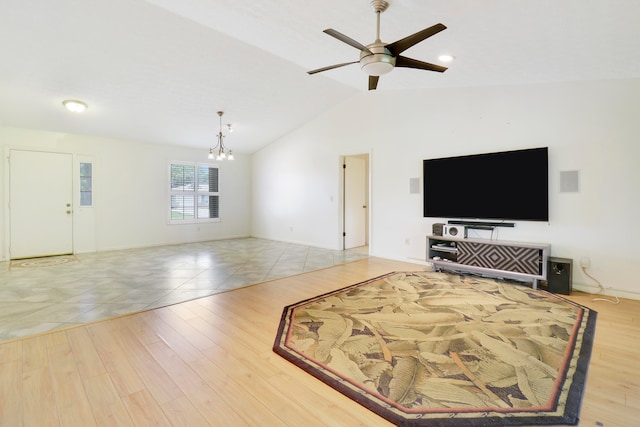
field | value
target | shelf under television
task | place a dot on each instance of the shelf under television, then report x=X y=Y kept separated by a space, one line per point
x=510 y=260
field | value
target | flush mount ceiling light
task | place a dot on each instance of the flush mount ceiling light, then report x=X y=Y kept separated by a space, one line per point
x=219 y=147
x=74 y=106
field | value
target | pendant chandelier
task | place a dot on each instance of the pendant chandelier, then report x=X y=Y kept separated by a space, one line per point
x=218 y=152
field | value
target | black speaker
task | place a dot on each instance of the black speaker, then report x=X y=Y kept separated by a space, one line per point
x=559 y=275
x=437 y=229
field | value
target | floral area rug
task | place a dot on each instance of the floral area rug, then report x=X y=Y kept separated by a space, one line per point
x=439 y=349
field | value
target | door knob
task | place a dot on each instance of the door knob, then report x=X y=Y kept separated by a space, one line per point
x=69 y=211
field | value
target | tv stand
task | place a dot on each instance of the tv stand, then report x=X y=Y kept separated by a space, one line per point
x=511 y=260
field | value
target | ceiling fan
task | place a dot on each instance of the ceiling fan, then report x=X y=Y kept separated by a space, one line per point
x=380 y=58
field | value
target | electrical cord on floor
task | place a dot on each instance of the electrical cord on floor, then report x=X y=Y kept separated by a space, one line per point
x=616 y=301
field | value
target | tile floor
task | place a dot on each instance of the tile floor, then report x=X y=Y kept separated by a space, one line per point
x=107 y=284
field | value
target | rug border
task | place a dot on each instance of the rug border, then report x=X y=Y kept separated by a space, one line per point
x=574 y=395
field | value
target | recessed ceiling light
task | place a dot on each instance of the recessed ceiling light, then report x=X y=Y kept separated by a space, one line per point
x=446 y=58
x=74 y=106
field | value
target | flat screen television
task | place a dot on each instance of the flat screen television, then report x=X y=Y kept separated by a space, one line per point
x=508 y=185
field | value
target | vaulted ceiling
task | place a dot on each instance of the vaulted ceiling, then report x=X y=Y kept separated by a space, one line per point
x=158 y=70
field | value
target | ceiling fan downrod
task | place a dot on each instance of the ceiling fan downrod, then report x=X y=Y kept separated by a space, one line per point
x=378 y=6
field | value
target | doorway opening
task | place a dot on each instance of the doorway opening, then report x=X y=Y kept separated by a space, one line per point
x=355 y=202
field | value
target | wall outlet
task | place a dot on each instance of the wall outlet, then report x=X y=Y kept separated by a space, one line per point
x=407 y=241
x=585 y=262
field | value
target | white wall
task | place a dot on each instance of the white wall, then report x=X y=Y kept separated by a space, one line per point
x=130 y=192
x=297 y=193
x=591 y=127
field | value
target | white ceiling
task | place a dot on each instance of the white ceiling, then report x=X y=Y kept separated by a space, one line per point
x=159 y=70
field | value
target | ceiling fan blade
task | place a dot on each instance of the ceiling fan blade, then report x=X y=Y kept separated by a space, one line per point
x=346 y=39
x=373 y=82
x=403 y=61
x=397 y=47
x=331 y=67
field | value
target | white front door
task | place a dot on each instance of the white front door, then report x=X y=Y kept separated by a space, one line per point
x=40 y=204
x=355 y=202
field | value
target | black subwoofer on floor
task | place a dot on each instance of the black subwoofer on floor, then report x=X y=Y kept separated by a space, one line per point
x=559 y=275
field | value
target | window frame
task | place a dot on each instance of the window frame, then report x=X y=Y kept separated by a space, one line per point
x=196 y=193
x=91 y=180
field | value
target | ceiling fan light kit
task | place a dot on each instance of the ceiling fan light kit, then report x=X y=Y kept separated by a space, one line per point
x=380 y=58
x=379 y=62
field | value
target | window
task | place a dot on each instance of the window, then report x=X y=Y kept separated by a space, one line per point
x=194 y=193
x=86 y=184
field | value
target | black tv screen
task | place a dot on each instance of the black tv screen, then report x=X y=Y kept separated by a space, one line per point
x=508 y=185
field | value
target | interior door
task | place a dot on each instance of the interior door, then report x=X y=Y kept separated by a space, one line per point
x=355 y=202
x=40 y=204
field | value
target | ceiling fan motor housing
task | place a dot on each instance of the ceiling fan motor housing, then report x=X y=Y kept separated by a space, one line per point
x=378 y=62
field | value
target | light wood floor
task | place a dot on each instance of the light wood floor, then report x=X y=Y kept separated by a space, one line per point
x=209 y=362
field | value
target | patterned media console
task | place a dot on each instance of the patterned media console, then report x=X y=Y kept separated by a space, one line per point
x=512 y=260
